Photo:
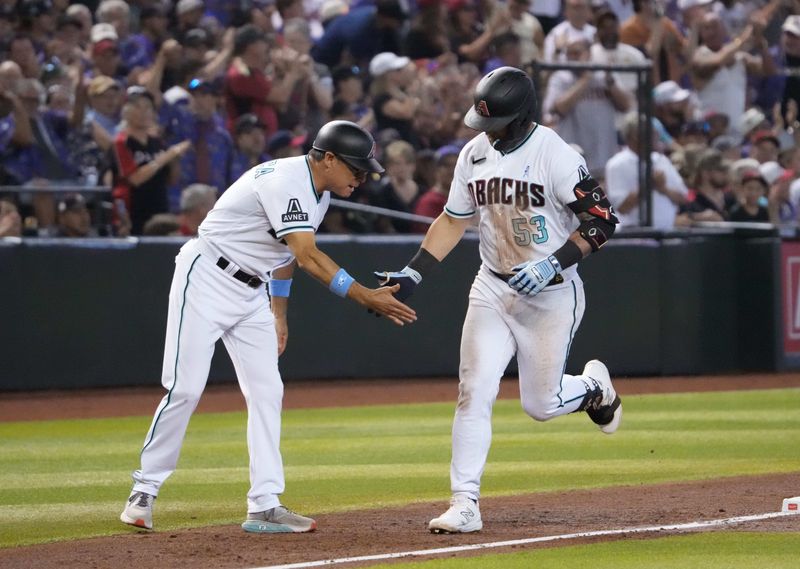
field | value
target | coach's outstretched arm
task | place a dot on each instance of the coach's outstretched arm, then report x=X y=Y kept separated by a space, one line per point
x=321 y=267
x=442 y=236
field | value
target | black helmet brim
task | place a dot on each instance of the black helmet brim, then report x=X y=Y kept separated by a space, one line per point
x=367 y=164
x=479 y=122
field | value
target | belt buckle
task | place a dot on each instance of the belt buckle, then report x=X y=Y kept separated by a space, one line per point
x=254 y=282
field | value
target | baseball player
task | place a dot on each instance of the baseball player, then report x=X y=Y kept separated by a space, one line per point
x=260 y=229
x=539 y=214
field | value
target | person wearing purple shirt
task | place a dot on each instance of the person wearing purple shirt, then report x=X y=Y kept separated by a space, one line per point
x=208 y=160
x=363 y=32
x=250 y=145
x=140 y=50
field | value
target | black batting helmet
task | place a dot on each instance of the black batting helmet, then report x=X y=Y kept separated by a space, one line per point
x=504 y=97
x=349 y=142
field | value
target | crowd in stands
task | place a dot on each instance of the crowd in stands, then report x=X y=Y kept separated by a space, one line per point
x=169 y=102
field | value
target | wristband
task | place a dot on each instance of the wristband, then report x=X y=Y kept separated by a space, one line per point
x=568 y=255
x=423 y=262
x=279 y=287
x=341 y=283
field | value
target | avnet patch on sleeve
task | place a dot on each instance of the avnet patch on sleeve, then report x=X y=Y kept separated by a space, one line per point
x=294 y=212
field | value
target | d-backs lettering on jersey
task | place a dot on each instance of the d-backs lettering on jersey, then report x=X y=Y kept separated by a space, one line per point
x=506 y=191
x=521 y=197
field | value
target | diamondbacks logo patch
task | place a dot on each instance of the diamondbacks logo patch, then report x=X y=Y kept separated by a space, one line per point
x=482 y=108
x=294 y=212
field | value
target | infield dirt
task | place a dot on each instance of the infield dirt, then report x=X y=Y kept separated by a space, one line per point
x=402 y=528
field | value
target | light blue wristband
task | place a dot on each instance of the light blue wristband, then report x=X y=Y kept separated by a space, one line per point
x=279 y=287
x=341 y=283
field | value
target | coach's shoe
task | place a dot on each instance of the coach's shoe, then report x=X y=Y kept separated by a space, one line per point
x=463 y=516
x=138 y=510
x=605 y=407
x=278 y=520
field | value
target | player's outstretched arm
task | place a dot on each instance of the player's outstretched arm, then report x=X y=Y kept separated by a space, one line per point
x=442 y=236
x=321 y=267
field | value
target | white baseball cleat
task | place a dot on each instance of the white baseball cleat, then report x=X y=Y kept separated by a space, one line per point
x=605 y=411
x=278 y=520
x=138 y=510
x=463 y=516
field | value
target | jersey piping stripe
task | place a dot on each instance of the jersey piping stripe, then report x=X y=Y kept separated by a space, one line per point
x=177 y=352
x=530 y=134
x=569 y=345
x=310 y=177
x=451 y=213
x=283 y=232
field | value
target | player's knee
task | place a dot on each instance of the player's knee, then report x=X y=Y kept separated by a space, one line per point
x=538 y=410
x=473 y=395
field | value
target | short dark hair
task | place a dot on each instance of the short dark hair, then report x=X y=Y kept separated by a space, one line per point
x=316 y=155
x=245 y=37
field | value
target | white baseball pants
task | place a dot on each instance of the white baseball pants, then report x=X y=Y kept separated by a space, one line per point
x=206 y=304
x=499 y=323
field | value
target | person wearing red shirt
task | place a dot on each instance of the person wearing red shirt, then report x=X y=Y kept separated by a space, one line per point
x=432 y=202
x=247 y=87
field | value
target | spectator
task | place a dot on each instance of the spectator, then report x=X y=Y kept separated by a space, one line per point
x=143 y=168
x=81 y=13
x=361 y=34
x=711 y=202
x=196 y=201
x=393 y=102
x=37 y=18
x=505 y=52
x=140 y=49
x=251 y=144
x=790 y=48
x=22 y=52
x=750 y=122
x=575 y=27
x=105 y=57
x=469 y=37
x=248 y=89
x=657 y=37
x=397 y=189
x=10 y=220
x=427 y=35
x=432 y=202
x=719 y=69
x=103 y=116
x=66 y=45
x=330 y=10
x=118 y=14
x=211 y=152
x=622 y=182
x=283 y=144
x=312 y=96
x=672 y=108
x=729 y=146
x=765 y=146
x=749 y=207
x=581 y=107
x=73 y=217
x=528 y=29
x=162 y=225
x=608 y=50
x=348 y=88
x=622 y=9
x=189 y=14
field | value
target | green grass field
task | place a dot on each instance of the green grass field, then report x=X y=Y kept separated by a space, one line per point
x=68 y=479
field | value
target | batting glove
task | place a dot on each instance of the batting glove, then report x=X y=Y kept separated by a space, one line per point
x=532 y=277
x=408 y=279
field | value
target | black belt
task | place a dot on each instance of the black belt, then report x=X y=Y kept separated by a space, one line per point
x=558 y=279
x=248 y=279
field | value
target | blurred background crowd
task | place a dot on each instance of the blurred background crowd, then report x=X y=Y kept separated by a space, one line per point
x=167 y=103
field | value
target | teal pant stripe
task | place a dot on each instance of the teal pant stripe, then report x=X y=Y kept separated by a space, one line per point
x=569 y=345
x=177 y=352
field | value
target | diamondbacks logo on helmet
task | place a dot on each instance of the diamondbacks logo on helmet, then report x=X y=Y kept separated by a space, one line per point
x=482 y=108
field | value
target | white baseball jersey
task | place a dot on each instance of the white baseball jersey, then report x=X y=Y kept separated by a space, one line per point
x=266 y=203
x=521 y=197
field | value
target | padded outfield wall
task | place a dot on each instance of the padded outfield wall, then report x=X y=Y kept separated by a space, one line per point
x=91 y=313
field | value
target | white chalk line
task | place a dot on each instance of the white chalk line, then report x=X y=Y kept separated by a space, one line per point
x=526 y=541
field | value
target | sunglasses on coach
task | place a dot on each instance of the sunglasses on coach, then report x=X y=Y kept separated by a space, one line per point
x=358 y=174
